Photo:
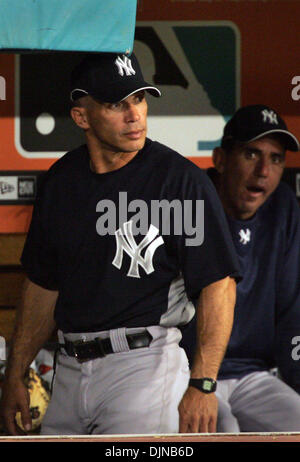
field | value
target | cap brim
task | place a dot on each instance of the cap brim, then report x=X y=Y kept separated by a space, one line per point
x=292 y=142
x=112 y=96
x=80 y=93
x=152 y=90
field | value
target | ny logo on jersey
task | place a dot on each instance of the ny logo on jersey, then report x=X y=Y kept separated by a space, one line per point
x=126 y=243
x=124 y=65
x=271 y=116
x=245 y=236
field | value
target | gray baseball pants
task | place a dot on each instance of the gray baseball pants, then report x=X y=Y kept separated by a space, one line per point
x=258 y=402
x=127 y=392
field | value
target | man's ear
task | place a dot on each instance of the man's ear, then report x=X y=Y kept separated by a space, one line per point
x=219 y=159
x=79 y=116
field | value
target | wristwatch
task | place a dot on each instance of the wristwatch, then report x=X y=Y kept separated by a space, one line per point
x=205 y=384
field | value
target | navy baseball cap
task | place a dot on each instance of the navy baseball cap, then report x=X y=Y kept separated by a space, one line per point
x=250 y=123
x=108 y=77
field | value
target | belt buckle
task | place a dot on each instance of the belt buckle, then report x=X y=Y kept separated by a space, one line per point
x=86 y=350
x=77 y=350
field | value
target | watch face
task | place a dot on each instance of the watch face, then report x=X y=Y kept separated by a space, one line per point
x=207 y=385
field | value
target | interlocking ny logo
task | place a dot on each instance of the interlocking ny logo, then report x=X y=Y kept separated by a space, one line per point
x=245 y=236
x=271 y=116
x=124 y=65
x=126 y=243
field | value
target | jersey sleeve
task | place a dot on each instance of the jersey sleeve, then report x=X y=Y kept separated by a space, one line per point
x=209 y=254
x=288 y=300
x=39 y=258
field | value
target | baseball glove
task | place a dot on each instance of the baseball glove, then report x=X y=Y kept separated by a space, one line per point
x=39 y=400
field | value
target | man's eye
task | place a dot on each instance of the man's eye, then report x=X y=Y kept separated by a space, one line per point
x=139 y=97
x=250 y=155
x=277 y=158
x=115 y=105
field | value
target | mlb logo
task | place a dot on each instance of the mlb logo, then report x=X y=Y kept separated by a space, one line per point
x=195 y=64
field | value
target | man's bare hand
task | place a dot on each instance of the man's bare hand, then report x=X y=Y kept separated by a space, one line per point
x=15 y=398
x=198 y=412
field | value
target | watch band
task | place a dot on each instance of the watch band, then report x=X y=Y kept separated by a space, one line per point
x=205 y=384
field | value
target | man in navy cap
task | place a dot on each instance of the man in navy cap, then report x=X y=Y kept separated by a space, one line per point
x=264 y=219
x=118 y=283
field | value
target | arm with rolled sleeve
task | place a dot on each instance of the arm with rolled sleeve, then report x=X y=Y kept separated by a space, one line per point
x=35 y=317
x=209 y=270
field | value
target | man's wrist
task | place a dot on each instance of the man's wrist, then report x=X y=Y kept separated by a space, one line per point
x=204 y=384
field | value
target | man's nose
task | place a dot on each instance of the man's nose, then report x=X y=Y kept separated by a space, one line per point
x=262 y=167
x=132 y=113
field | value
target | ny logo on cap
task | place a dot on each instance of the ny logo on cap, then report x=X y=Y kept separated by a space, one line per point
x=271 y=116
x=124 y=65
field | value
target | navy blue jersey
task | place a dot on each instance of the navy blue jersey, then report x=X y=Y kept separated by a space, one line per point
x=267 y=311
x=116 y=259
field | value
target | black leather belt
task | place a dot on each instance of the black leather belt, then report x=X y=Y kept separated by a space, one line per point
x=98 y=348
